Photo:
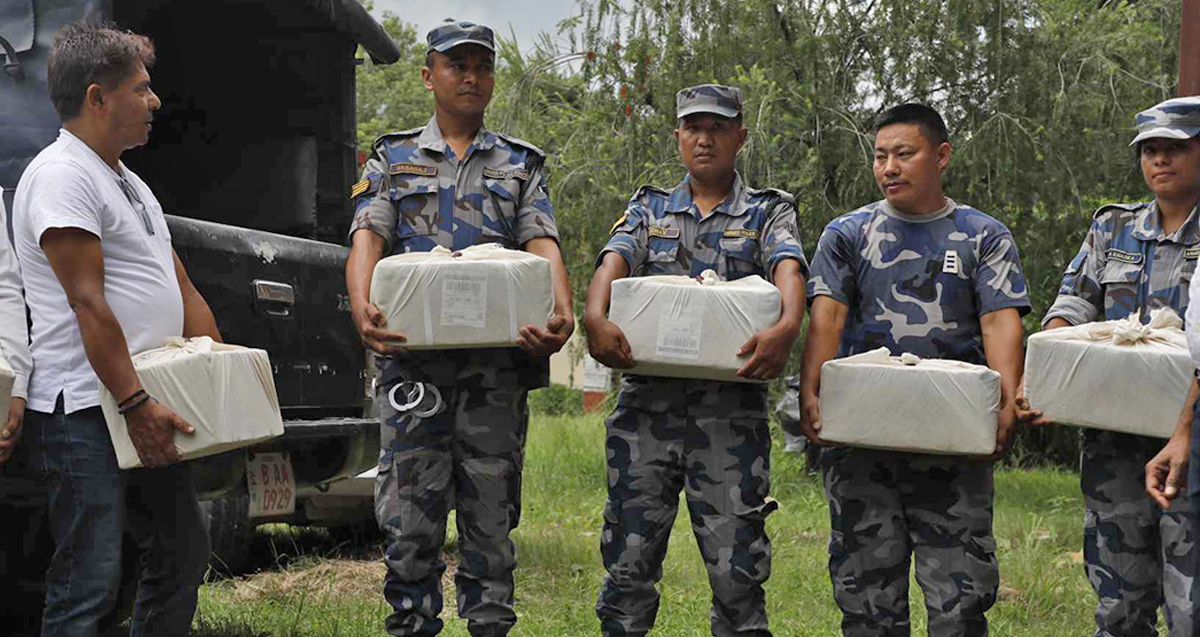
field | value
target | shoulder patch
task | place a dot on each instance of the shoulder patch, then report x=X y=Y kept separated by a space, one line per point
x=1127 y=207
x=520 y=142
x=1122 y=256
x=359 y=188
x=649 y=190
x=412 y=169
x=741 y=233
x=621 y=220
x=495 y=173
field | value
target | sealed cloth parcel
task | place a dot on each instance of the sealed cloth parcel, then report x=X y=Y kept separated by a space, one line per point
x=226 y=392
x=906 y=403
x=476 y=297
x=1114 y=375
x=678 y=326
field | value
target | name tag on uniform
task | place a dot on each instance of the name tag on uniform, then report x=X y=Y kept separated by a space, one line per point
x=950 y=264
x=665 y=233
x=1122 y=256
x=741 y=233
x=1191 y=253
x=495 y=173
x=412 y=169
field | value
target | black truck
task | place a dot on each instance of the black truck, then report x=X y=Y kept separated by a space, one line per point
x=252 y=156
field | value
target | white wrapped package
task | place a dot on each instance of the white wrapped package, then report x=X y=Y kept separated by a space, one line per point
x=680 y=327
x=1114 y=375
x=1192 y=319
x=226 y=392
x=476 y=297
x=905 y=403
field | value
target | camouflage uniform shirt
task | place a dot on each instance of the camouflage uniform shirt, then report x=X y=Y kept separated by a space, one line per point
x=416 y=194
x=918 y=284
x=663 y=233
x=1128 y=265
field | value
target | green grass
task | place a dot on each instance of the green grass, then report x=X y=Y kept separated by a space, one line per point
x=313 y=584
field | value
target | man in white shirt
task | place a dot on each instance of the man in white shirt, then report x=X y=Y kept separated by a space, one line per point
x=102 y=282
x=14 y=339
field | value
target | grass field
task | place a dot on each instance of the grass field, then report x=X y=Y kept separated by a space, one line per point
x=312 y=584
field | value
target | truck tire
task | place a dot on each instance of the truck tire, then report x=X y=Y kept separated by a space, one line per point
x=229 y=531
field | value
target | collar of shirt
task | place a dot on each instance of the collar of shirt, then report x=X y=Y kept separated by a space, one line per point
x=941 y=213
x=681 y=198
x=1146 y=227
x=431 y=138
x=118 y=174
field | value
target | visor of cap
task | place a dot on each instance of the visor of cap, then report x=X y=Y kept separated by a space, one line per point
x=1167 y=132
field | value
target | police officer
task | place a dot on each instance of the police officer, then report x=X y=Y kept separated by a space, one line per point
x=1138 y=554
x=453 y=183
x=708 y=438
x=916 y=272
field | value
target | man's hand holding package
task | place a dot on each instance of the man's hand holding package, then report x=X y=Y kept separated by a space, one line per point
x=607 y=344
x=152 y=428
x=768 y=350
x=372 y=330
x=540 y=342
x=10 y=434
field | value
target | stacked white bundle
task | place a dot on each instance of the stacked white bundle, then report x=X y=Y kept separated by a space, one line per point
x=905 y=403
x=226 y=392
x=476 y=297
x=678 y=326
x=1114 y=375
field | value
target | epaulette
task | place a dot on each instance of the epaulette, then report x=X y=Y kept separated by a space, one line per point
x=1128 y=207
x=522 y=143
x=649 y=190
x=401 y=134
x=782 y=194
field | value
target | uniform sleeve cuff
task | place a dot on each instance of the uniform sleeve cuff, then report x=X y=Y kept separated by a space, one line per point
x=382 y=232
x=775 y=260
x=1071 y=309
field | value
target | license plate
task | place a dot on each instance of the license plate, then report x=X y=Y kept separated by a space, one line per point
x=271 y=484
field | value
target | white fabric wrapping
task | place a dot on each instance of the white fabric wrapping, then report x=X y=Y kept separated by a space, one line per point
x=226 y=392
x=911 y=404
x=677 y=326
x=1114 y=375
x=8 y=379
x=1192 y=316
x=476 y=297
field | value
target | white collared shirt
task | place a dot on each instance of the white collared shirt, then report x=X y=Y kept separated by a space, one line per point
x=69 y=186
x=14 y=334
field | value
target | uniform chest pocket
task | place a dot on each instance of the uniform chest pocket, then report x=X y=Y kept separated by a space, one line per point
x=1120 y=282
x=417 y=206
x=738 y=258
x=498 y=215
x=662 y=256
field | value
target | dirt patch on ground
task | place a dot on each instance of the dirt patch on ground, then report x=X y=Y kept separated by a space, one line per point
x=326 y=578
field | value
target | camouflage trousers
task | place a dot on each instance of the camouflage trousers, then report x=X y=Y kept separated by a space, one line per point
x=1137 y=556
x=889 y=509
x=722 y=465
x=469 y=457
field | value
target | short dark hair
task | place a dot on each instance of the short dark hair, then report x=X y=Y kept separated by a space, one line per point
x=86 y=53
x=429 y=59
x=927 y=119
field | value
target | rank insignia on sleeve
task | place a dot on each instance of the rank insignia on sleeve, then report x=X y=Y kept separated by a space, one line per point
x=1123 y=257
x=1191 y=253
x=741 y=233
x=359 y=188
x=665 y=233
x=412 y=169
x=618 y=223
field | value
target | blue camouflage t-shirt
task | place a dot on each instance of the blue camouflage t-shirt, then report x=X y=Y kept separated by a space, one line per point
x=918 y=284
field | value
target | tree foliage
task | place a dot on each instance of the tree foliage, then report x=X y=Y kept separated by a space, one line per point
x=1039 y=97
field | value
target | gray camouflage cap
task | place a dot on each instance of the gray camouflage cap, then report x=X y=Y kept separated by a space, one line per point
x=1177 y=118
x=709 y=98
x=453 y=33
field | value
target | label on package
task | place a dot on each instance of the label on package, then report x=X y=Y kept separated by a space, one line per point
x=464 y=301
x=679 y=337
